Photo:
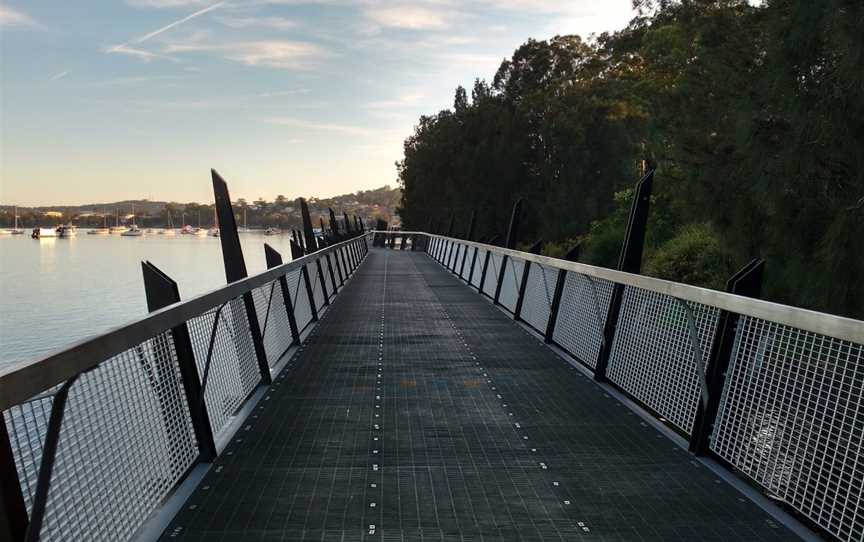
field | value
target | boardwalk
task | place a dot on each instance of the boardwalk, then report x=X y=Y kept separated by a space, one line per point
x=418 y=411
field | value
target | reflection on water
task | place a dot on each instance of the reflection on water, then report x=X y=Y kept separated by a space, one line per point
x=56 y=291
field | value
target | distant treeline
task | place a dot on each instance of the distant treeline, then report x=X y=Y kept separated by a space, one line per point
x=753 y=116
x=281 y=212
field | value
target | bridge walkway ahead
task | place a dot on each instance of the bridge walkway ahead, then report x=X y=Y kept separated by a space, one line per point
x=418 y=411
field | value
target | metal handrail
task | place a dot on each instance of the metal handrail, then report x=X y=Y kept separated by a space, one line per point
x=839 y=327
x=22 y=380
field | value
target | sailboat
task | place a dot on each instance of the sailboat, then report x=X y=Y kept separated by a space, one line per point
x=104 y=230
x=170 y=229
x=214 y=231
x=134 y=230
x=16 y=230
x=116 y=228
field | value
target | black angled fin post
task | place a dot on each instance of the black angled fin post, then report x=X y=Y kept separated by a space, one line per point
x=308 y=232
x=334 y=226
x=571 y=256
x=535 y=249
x=512 y=233
x=746 y=282
x=629 y=261
x=324 y=240
x=235 y=268
x=161 y=291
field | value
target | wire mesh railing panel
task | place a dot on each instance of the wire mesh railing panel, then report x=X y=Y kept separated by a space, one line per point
x=300 y=298
x=511 y=283
x=233 y=367
x=317 y=289
x=792 y=419
x=448 y=252
x=126 y=440
x=331 y=278
x=491 y=281
x=477 y=272
x=653 y=357
x=272 y=320
x=539 y=291
x=460 y=258
x=582 y=315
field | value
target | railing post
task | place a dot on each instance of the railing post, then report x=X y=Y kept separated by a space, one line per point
x=746 y=282
x=235 y=266
x=297 y=252
x=535 y=249
x=329 y=257
x=161 y=291
x=274 y=259
x=571 y=256
x=469 y=236
x=492 y=241
x=13 y=510
x=512 y=232
x=630 y=261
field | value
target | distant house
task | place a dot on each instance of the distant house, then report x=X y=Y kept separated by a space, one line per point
x=53 y=214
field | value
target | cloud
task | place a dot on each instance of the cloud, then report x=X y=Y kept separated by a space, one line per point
x=404 y=100
x=166 y=3
x=408 y=17
x=11 y=17
x=267 y=53
x=344 y=129
x=58 y=76
x=277 y=23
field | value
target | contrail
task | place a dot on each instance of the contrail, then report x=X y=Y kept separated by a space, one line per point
x=146 y=37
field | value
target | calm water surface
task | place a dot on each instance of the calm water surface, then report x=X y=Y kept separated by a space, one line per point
x=56 y=291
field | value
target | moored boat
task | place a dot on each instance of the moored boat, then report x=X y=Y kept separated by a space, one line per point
x=133 y=231
x=66 y=231
x=41 y=233
x=272 y=231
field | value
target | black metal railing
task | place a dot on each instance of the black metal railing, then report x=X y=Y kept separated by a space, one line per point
x=774 y=392
x=96 y=437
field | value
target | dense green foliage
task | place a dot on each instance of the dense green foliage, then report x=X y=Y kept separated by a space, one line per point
x=753 y=116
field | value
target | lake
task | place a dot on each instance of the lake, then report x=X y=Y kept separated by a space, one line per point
x=57 y=291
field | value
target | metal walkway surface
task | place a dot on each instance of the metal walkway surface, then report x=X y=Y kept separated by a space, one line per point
x=418 y=411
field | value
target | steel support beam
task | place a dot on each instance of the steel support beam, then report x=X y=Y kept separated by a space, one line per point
x=512 y=233
x=535 y=249
x=274 y=259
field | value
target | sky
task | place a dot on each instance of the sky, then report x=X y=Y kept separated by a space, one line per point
x=127 y=99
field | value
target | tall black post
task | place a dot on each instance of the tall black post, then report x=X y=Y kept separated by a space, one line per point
x=746 y=282
x=308 y=232
x=630 y=261
x=334 y=226
x=571 y=256
x=274 y=259
x=348 y=230
x=235 y=268
x=324 y=235
x=13 y=510
x=161 y=291
x=526 y=269
x=512 y=233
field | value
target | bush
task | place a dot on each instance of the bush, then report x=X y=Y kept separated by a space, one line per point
x=694 y=256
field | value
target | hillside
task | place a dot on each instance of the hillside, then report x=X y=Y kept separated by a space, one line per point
x=283 y=212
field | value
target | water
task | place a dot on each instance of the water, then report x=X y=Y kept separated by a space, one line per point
x=57 y=291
